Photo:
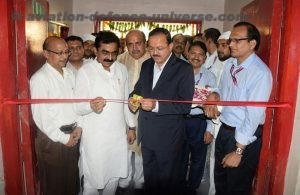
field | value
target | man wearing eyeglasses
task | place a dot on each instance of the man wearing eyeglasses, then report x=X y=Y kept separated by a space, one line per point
x=161 y=124
x=57 y=137
x=103 y=146
x=239 y=141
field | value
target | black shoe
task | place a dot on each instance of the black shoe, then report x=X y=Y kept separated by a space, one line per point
x=120 y=191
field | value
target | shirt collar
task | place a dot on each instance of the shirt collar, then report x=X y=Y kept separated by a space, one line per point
x=163 y=66
x=246 y=63
x=55 y=72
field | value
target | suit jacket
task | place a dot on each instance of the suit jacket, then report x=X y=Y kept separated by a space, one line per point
x=164 y=130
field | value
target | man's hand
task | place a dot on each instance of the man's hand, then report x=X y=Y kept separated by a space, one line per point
x=208 y=137
x=74 y=137
x=148 y=104
x=97 y=104
x=211 y=111
x=134 y=104
x=131 y=136
x=231 y=160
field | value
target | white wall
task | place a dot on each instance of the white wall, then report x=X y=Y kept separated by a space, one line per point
x=61 y=6
x=233 y=7
x=292 y=177
x=148 y=7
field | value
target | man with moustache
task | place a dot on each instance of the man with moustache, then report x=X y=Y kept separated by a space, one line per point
x=133 y=59
x=239 y=140
x=56 y=151
x=179 y=42
x=198 y=129
x=161 y=124
x=103 y=147
x=225 y=57
x=75 y=61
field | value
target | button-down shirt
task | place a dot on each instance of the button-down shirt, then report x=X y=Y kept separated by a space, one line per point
x=156 y=74
x=254 y=83
x=204 y=78
x=48 y=83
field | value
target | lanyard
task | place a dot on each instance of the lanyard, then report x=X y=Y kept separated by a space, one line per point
x=213 y=63
x=197 y=82
x=233 y=73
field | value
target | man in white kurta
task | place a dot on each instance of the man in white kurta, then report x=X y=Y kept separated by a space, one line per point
x=133 y=59
x=103 y=149
x=56 y=151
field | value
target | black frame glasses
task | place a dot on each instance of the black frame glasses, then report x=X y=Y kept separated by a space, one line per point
x=237 y=41
x=67 y=52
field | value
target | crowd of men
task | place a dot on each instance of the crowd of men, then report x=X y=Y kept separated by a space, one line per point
x=157 y=142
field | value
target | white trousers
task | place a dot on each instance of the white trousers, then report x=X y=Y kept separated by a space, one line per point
x=212 y=189
x=135 y=171
x=109 y=189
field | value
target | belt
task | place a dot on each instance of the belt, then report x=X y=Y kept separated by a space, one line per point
x=257 y=133
x=228 y=127
x=195 y=116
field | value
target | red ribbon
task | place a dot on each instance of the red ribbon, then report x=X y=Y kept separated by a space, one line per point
x=7 y=101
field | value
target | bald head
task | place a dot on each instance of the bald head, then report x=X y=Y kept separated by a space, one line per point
x=136 y=43
x=50 y=41
x=56 y=52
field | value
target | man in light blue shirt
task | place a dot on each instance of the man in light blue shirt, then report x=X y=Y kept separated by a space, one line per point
x=198 y=129
x=239 y=140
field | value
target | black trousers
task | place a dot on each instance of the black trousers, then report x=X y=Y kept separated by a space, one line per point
x=235 y=181
x=161 y=171
x=57 y=165
x=194 y=152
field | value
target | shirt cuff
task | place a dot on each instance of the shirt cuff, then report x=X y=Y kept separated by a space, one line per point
x=156 y=107
x=243 y=139
x=64 y=138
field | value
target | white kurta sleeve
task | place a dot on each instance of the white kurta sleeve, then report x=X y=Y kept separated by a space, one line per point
x=129 y=116
x=82 y=90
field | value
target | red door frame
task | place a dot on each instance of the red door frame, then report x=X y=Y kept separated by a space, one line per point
x=17 y=145
x=9 y=127
x=282 y=34
x=287 y=79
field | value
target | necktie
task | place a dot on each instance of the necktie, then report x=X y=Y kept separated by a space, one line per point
x=233 y=73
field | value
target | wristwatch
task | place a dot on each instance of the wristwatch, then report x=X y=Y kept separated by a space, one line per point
x=239 y=151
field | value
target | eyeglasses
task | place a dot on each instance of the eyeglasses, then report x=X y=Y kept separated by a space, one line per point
x=237 y=41
x=61 y=53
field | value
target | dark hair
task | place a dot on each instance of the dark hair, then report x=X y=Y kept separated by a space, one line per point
x=198 y=44
x=252 y=32
x=163 y=31
x=74 y=38
x=213 y=34
x=106 y=37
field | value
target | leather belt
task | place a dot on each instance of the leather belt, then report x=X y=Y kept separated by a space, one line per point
x=195 y=116
x=228 y=127
x=258 y=132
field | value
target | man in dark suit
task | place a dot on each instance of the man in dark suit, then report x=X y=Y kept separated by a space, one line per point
x=161 y=124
